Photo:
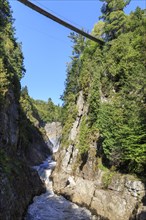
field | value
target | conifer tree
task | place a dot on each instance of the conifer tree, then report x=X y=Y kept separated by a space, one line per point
x=114 y=17
x=10 y=51
x=113 y=82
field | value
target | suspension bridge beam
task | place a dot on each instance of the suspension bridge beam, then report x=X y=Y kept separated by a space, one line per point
x=60 y=21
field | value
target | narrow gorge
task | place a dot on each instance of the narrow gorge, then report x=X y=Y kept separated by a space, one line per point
x=86 y=159
x=50 y=205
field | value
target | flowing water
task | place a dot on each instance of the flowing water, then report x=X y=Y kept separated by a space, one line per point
x=50 y=206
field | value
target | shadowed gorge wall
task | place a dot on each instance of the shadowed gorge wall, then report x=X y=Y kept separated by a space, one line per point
x=20 y=140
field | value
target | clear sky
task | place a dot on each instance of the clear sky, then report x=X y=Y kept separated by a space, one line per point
x=45 y=44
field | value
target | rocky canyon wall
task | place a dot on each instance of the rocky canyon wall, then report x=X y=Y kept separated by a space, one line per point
x=83 y=180
x=19 y=183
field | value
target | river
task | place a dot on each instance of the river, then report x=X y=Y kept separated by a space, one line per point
x=50 y=206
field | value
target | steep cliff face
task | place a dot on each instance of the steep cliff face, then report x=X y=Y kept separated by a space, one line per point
x=104 y=126
x=18 y=182
x=21 y=143
x=83 y=180
x=53 y=132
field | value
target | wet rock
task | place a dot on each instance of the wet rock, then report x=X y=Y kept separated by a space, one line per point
x=48 y=206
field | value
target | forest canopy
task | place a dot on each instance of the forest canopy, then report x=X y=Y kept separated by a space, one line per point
x=113 y=81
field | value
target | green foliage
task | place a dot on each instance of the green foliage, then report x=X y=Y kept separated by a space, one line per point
x=114 y=18
x=87 y=135
x=100 y=165
x=109 y=122
x=28 y=107
x=113 y=83
x=98 y=29
x=122 y=118
x=85 y=75
x=48 y=111
x=84 y=141
x=67 y=123
x=4 y=161
x=9 y=166
x=11 y=60
x=78 y=44
x=107 y=178
x=95 y=86
x=4 y=82
x=38 y=111
x=72 y=87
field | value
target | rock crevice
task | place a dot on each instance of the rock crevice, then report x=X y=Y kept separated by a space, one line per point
x=109 y=195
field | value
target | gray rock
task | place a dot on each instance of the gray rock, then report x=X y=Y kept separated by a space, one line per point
x=53 y=132
x=136 y=187
x=81 y=180
x=18 y=182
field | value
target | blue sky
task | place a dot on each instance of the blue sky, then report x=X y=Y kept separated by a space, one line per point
x=45 y=44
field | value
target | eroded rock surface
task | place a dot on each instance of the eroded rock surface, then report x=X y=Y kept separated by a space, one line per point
x=18 y=182
x=51 y=206
x=109 y=196
x=53 y=132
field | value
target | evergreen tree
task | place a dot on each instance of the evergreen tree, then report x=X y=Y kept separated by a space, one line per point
x=120 y=120
x=4 y=82
x=72 y=85
x=10 y=51
x=114 y=17
x=113 y=82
